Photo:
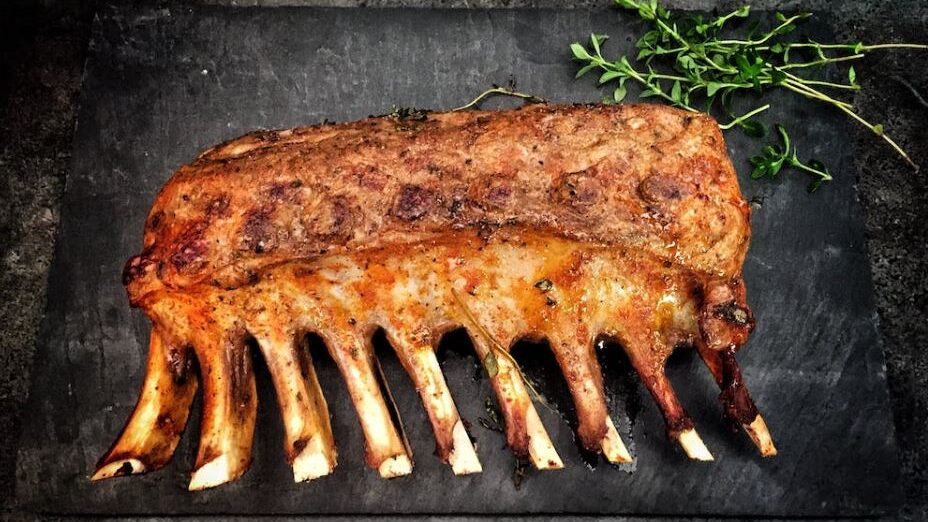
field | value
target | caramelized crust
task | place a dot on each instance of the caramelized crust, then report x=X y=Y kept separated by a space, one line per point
x=649 y=177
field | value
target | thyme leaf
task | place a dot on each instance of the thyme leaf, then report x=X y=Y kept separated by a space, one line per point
x=490 y=363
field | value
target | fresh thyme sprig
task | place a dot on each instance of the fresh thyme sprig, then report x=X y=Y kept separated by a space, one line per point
x=497 y=90
x=773 y=158
x=687 y=63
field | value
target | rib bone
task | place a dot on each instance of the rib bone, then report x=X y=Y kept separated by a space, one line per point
x=740 y=406
x=148 y=440
x=584 y=379
x=525 y=434
x=308 y=441
x=229 y=407
x=613 y=448
x=679 y=424
x=452 y=442
x=385 y=450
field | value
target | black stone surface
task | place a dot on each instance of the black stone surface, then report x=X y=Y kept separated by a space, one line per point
x=162 y=84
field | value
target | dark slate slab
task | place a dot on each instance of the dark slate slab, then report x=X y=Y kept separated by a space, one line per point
x=161 y=85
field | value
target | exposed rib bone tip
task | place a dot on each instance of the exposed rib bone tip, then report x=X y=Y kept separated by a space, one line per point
x=214 y=473
x=613 y=447
x=693 y=446
x=313 y=462
x=759 y=433
x=119 y=468
x=463 y=458
x=540 y=449
x=396 y=466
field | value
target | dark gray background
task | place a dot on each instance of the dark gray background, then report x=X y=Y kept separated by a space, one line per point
x=878 y=169
x=162 y=84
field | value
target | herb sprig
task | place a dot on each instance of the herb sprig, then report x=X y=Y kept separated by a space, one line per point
x=773 y=158
x=490 y=361
x=688 y=63
x=497 y=90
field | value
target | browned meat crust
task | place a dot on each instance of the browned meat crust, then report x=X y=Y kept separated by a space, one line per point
x=647 y=176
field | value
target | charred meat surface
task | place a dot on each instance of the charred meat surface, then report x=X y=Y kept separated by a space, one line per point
x=562 y=223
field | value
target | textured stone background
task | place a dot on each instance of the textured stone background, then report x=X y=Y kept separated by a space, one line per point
x=42 y=49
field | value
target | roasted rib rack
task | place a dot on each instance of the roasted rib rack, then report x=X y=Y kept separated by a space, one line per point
x=560 y=223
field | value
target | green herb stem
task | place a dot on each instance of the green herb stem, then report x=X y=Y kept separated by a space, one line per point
x=773 y=32
x=630 y=71
x=504 y=91
x=667 y=77
x=687 y=46
x=821 y=174
x=774 y=158
x=798 y=86
x=823 y=61
x=741 y=119
x=831 y=85
x=923 y=47
x=855 y=48
x=878 y=130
